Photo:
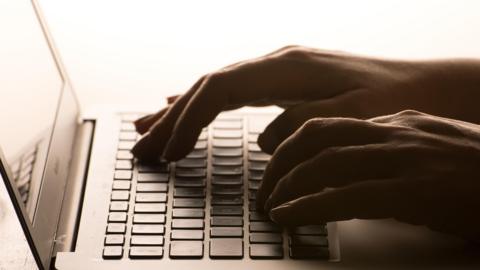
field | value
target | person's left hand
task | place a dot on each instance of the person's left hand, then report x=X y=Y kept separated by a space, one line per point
x=411 y=166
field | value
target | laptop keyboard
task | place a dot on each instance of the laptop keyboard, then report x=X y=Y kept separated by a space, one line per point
x=202 y=205
x=22 y=173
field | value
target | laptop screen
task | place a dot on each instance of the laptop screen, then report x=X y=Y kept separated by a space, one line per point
x=30 y=87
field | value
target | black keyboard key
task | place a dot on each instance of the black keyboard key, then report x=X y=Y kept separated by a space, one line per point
x=152 y=187
x=150 y=229
x=150 y=208
x=146 y=240
x=262 y=226
x=114 y=240
x=116 y=228
x=149 y=219
x=121 y=185
x=112 y=252
x=255 y=175
x=186 y=235
x=188 y=213
x=227 y=161
x=151 y=197
x=252 y=195
x=266 y=251
x=257 y=216
x=197 y=154
x=227 y=171
x=258 y=156
x=189 y=193
x=190 y=182
x=308 y=240
x=254 y=185
x=266 y=238
x=120 y=195
x=117 y=217
x=226 y=200
x=123 y=175
x=227 y=180
x=191 y=172
x=119 y=206
x=310 y=230
x=146 y=252
x=226 y=221
x=229 y=232
x=124 y=155
x=186 y=249
x=305 y=252
x=161 y=167
x=226 y=210
x=189 y=203
x=227 y=152
x=257 y=165
x=226 y=248
x=226 y=190
x=227 y=134
x=153 y=177
x=188 y=224
x=192 y=163
x=124 y=165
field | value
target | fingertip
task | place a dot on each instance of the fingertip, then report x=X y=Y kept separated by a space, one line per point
x=268 y=141
x=281 y=214
x=144 y=151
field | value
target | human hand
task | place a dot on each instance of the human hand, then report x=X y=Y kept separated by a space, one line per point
x=308 y=82
x=411 y=166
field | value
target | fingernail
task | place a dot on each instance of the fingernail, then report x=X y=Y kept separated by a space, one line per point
x=276 y=213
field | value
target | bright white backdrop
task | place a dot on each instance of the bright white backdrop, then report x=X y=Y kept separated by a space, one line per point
x=127 y=52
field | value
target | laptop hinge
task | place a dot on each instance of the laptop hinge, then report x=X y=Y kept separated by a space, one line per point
x=73 y=198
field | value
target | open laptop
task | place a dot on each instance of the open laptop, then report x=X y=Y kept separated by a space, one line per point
x=73 y=197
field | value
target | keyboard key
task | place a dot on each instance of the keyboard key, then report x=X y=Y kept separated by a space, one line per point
x=123 y=175
x=149 y=219
x=227 y=171
x=266 y=238
x=119 y=228
x=191 y=172
x=252 y=138
x=226 y=221
x=160 y=167
x=124 y=165
x=226 y=210
x=305 y=252
x=186 y=235
x=119 y=206
x=227 y=134
x=262 y=226
x=227 y=161
x=189 y=193
x=127 y=127
x=203 y=136
x=226 y=232
x=255 y=175
x=147 y=252
x=151 y=197
x=146 y=240
x=227 y=152
x=114 y=240
x=252 y=195
x=153 y=177
x=308 y=240
x=253 y=147
x=258 y=156
x=126 y=145
x=227 y=143
x=150 y=208
x=188 y=213
x=310 y=230
x=188 y=224
x=121 y=185
x=257 y=216
x=200 y=145
x=117 y=217
x=226 y=248
x=186 y=249
x=192 y=163
x=227 y=124
x=266 y=251
x=222 y=190
x=128 y=136
x=124 y=155
x=113 y=252
x=129 y=117
x=197 y=154
x=257 y=165
x=148 y=229
x=152 y=187
x=190 y=182
x=227 y=200
x=254 y=185
x=189 y=203
x=227 y=180
x=120 y=195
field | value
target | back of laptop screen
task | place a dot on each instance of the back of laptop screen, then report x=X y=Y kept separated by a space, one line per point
x=30 y=87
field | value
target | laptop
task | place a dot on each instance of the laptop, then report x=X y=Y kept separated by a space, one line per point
x=72 y=196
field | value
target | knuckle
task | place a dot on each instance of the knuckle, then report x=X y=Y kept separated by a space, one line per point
x=294 y=51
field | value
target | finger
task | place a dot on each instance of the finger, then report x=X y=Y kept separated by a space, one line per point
x=337 y=167
x=363 y=200
x=292 y=118
x=151 y=146
x=143 y=124
x=313 y=137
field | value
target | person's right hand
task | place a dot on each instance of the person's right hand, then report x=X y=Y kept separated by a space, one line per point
x=308 y=83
